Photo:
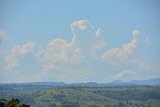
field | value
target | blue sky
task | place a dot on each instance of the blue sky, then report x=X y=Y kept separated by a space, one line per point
x=79 y=40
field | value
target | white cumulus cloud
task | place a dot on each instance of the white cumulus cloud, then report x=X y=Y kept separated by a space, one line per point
x=78 y=58
x=11 y=60
x=125 y=51
x=98 y=32
x=135 y=32
x=80 y=25
x=120 y=53
x=83 y=46
x=23 y=49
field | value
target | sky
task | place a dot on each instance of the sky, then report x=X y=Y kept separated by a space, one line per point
x=79 y=40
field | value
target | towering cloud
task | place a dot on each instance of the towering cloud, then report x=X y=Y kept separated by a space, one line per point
x=125 y=51
x=80 y=59
x=89 y=39
x=83 y=46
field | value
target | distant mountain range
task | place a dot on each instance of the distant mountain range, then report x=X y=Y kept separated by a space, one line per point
x=153 y=82
x=117 y=83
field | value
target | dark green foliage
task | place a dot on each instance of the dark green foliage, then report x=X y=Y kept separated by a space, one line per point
x=24 y=105
x=12 y=103
x=2 y=102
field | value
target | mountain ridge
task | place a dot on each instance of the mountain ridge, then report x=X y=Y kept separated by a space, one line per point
x=115 y=83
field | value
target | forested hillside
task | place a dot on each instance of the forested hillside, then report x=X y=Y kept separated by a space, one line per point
x=85 y=97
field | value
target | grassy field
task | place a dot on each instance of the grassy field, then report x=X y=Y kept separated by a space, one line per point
x=88 y=97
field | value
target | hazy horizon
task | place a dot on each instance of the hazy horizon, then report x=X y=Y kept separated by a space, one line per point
x=79 y=41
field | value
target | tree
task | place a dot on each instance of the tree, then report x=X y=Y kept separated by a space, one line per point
x=13 y=103
x=2 y=102
x=24 y=105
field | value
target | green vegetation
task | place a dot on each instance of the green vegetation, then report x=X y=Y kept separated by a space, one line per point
x=12 y=103
x=89 y=97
